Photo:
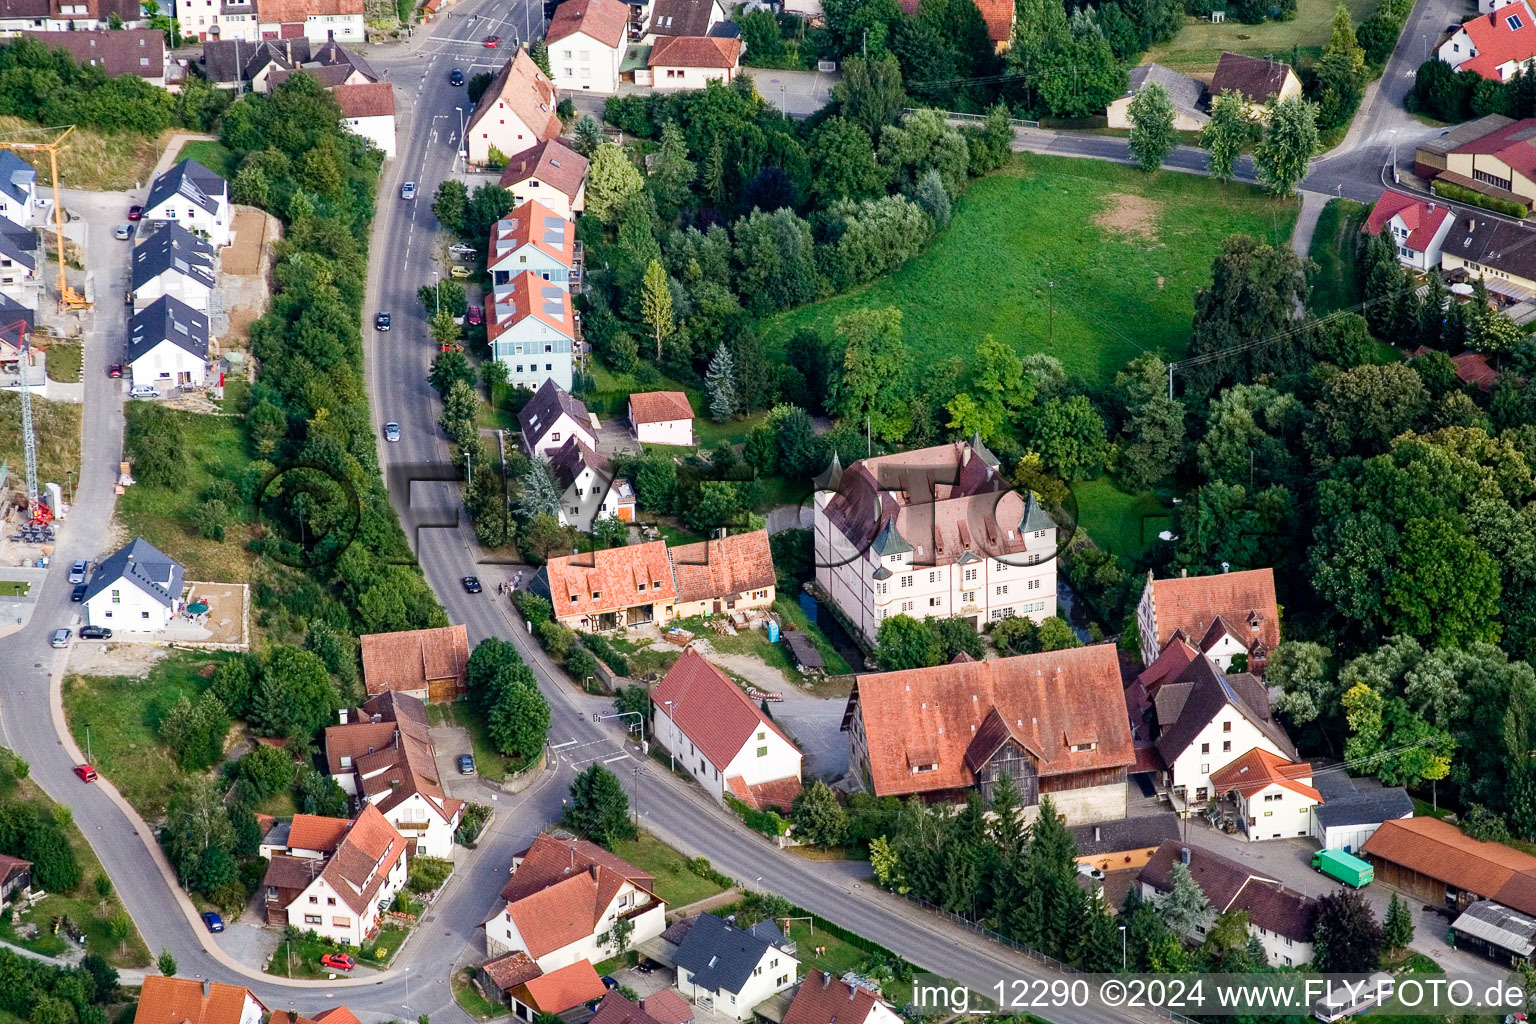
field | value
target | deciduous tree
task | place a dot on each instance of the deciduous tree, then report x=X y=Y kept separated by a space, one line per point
x=1152 y=137
x=1290 y=139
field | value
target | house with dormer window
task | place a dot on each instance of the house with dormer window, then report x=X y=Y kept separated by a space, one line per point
x=1230 y=618
x=551 y=418
x=340 y=893
x=731 y=970
x=531 y=326
x=595 y=591
x=194 y=197
x=515 y=113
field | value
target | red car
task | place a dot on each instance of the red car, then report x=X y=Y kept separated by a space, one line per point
x=115 y=370
x=86 y=772
x=491 y=42
x=338 y=961
x=135 y=212
x=475 y=316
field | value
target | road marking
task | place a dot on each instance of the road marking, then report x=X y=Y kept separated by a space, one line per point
x=620 y=757
x=562 y=746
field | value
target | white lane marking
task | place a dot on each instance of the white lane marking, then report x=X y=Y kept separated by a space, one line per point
x=620 y=757
x=562 y=746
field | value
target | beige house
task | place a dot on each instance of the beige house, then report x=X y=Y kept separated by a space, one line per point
x=725 y=575
x=1259 y=81
x=1187 y=95
x=516 y=113
x=1501 y=163
x=1500 y=252
x=550 y=173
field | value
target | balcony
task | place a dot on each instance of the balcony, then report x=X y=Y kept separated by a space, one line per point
x=577 y=279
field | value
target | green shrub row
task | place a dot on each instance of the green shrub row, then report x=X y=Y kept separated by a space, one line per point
x=1471 y=198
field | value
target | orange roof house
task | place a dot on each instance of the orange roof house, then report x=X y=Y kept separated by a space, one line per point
x=1258 y=769
x=516 y=112
x=606 y=21
x=661 y=417
x=1273 y=797
x=428 y=664
x=530 y=298
x=560 y=990
x=1056 y=721
x=1434 y=861
x=998 y=14
x=1223 y=616
x=724 y=574
x=600 y=590
x=536 y=225
x=1494 y=46
x=183 y=1001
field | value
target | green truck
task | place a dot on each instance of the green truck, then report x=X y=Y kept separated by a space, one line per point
x=1347 y=869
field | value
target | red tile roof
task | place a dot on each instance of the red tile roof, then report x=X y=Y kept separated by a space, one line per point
x=998 y=14
x=1259 y=769
x=1421 y=217
x=530 y=224
x=511 y=969
x=181 y=1001
x=1192 y=603
x=1498 y=42
x=1514 y=143
x=366 y=99
x=549 y=860
x=603 y=20
x=1445 y=853
x=337 y=1015
x=667 y=1007
x=288 y=12
x=779 y=793
x=957 y=716
x=615 y=1009
x=659 y=407
x=529 y=295
x=554 y=163
x=365 y=857
x=1168 y=665
x=564 y=913
x=312 y=832
x=411 y=658
x=722 y=568
x=598 y=582
x=710 y=709
x=696 y=52
x=822 y=999
x=560 y=990
x=521 y=88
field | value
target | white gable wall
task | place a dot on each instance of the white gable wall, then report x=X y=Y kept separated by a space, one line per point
x=1227 y=736
x=167 y=365
x=126 y=607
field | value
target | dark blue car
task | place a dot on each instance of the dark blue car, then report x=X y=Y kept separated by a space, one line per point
x=214 y=922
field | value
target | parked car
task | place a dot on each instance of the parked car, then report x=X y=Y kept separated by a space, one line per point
x=609 y=982
x=214 y=922
x=135 y=212
x=456 y=77
x=338 y=961
x=491 y=42
x=60 y=638
x=458 y=270
x=462 y=251
x=86 y=772
x=77 y=572
x=471 y=584
x=645 y=966
x=381 y=322
x=123 y=231
x=95 y=633
x=78 y=594
x=466 y=764
x=143 y=391
x=475 y=316
x=408 y=190
x=391 y=432
x=115 y=370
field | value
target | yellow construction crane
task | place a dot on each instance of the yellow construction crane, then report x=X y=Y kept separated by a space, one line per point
x=68 y=298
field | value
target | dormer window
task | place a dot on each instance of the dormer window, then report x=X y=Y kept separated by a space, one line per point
x=919 y=769
x=596 y=594
x=1079 y=748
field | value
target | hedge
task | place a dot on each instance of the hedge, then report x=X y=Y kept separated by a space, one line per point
x=1471 y=198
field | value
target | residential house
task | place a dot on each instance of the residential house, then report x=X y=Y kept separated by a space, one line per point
x=823 y=999
x=1272 y=798
x=382 y=755
x=1259 y=81
x=691 y=62
x=1280 y=918
x=1055 y=722
x=1124 y=845
x=596 y=591
x=534 y=238
x=500 y=976
x=15 y=877
x=221 y=21
x=615 y=1009
x=1472 y=368
x=564 y=899
x=168 y=345
x=1187 y=95
x=532 y=330
x=19 y=261
x=233 y=63
x=368 y=109
x=125 y=51
x=551 y=173
x=724 y=740
x=165 y=1000
x=553 y=417
x=588 y=487
x=18 y=190
x=937 y=532
x=1501 y=252
x=1495 y=931
x=194 y=197
x=70 y=15
x=1494 y=46
x=558 y=992
x=661 y=417
x=334 y=1015
x=586 y=40
x=999 y=16
x=1353 y=809
x=346 y=898
x=315 y=20
x=136 y=589
x=684 y=18
x=723 y=576
x=428 y=664
x=1207 y=719
x=332 y=65
x=1230 y=618
x=730 y=970
x=173 y=262
x=516 y=113
x=1434 y=862
x=1417 y=227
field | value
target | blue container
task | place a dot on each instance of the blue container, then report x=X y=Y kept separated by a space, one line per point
x=773 y=632
x=808 y=605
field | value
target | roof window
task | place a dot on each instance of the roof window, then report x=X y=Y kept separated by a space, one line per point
x=1514 y=23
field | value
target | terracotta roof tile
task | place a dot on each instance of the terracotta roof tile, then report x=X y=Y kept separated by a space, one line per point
x=367 y=99
x=999 y=16
x=552 y=162
x=615 y=1009
x=709 y=709
x=550 y=860
x=312 y=832
x=511 y=969
x=1191 y=603
x=1047 y=703
x=822 y=999
x=560 y=990
x=598 y=582
x=392 y=756
x=365 y=857
x=724 y=567
x=779 y=793
x=659 y=407
x=1497 y=41
x=288 y=12
x=410 y=659
x=667 y=1007
x=1168 y=665
x=564 y=913
x=696 y=52
x=181 y=1001
x=1513 y=143
x=1258 y=80
x=521 y=88
x=1259 y=769
x=537 y=225
x=337 y=1015
x=1421 y=217
x=529 y=295
x=1445 y=853
x=604 y=20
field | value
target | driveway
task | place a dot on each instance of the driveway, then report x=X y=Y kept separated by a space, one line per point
x=816 y=722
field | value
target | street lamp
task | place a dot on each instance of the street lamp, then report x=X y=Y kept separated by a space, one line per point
x=88 y=758
x=407 y=988
x=1122 y=949
x=463 y=142
x=672 y=739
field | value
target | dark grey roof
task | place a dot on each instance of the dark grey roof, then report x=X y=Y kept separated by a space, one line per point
x=167 y=319
x=574 y=456
x=1230 y=885
x=725 y=30
x=681 y=17
x=172 y=248
x=1498 y=924
x=227 y=61
x=545 y=408
x=1186 y=93
x=678 y=930
x=720 y=957
x=191 y=180
x=12 y=311
x=805 y=653
x=16 y=176
x=12 y=246
x=151 y=569
x=1502 y=245
x=333 y=54
x=1035 y=517
x=1469 y=131
x=889 y=540
x=1125 y=834
x=1362 y=801
x=1188 y=704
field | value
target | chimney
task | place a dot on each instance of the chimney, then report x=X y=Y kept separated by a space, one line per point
x=1226 y=567
x=1098 y=834
x=826 y=979
x=343 y=713
x=853 y=990
x=394 y=786
x=1183 y=573
x=593 y=868
x=1184 y=856
x=965 y=456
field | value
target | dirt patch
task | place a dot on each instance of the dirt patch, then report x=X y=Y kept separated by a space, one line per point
x=1129 y=215
x=114 y=659
x=245 y=267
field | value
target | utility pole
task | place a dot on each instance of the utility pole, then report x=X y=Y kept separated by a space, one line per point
x=88 y=757
x=1050 y=323
x=1170 y=382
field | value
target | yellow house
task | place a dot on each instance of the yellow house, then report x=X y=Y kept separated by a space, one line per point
x=1501 y=252
x=1257 y=80
x=728 y=574
x=1501 y=163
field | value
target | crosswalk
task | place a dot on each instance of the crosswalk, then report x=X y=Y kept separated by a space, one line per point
x=577 y=754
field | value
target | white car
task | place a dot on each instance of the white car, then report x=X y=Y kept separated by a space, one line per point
x=408 y=190
x=143 y=391
x=123 y=231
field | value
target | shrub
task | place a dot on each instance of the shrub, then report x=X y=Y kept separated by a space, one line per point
x=471 y=824
x=533 y=607
x=1471 y=198
x=769 y=823
x=600 y=646
x=429 y=873
x=555 y=639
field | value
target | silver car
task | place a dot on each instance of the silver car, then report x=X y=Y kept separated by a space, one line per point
x=408 y=190
x=60 y=638
x=391 y=431
x=143 y=391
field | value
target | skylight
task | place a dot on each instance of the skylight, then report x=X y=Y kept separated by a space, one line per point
x=1514 y=23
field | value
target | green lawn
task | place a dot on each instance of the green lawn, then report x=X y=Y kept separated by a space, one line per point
x=1125 y=524
x=64 y=362
x=789 y=610
x=211 y=155
x=123 y=713
x=14 y=588
x=471 y=1001
x=1333 y=249
x=674 y=882
x=1199 y=44
x=489 y=763
x=1025 y=261
x=56 y=427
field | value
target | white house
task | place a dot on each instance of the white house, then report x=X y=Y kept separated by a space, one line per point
x=1280 y=918
x=345 y=899
x=168 y=344
x=173 y=262
x=218 y=20
x=19 y=264
x=691 y=62
x=136 y=589
x=316 y=20
x=516 y=113
x=532 y=330
x=1494 y=45
x=1207 y=719
x=586 y=41
x=1272 y=798
x=731 y=970
x=1416 y=226
x=823 y=999
x=727 y=744
x=165 y=999
x=1228 y=616
x=661 y=417
x=551 y=173
x=18 y=189
x=588 y=487
x=368 y=109
x=551 y=418
x=563 y=900
x=194 y=197
x=534 y=238
x=1489 y=6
